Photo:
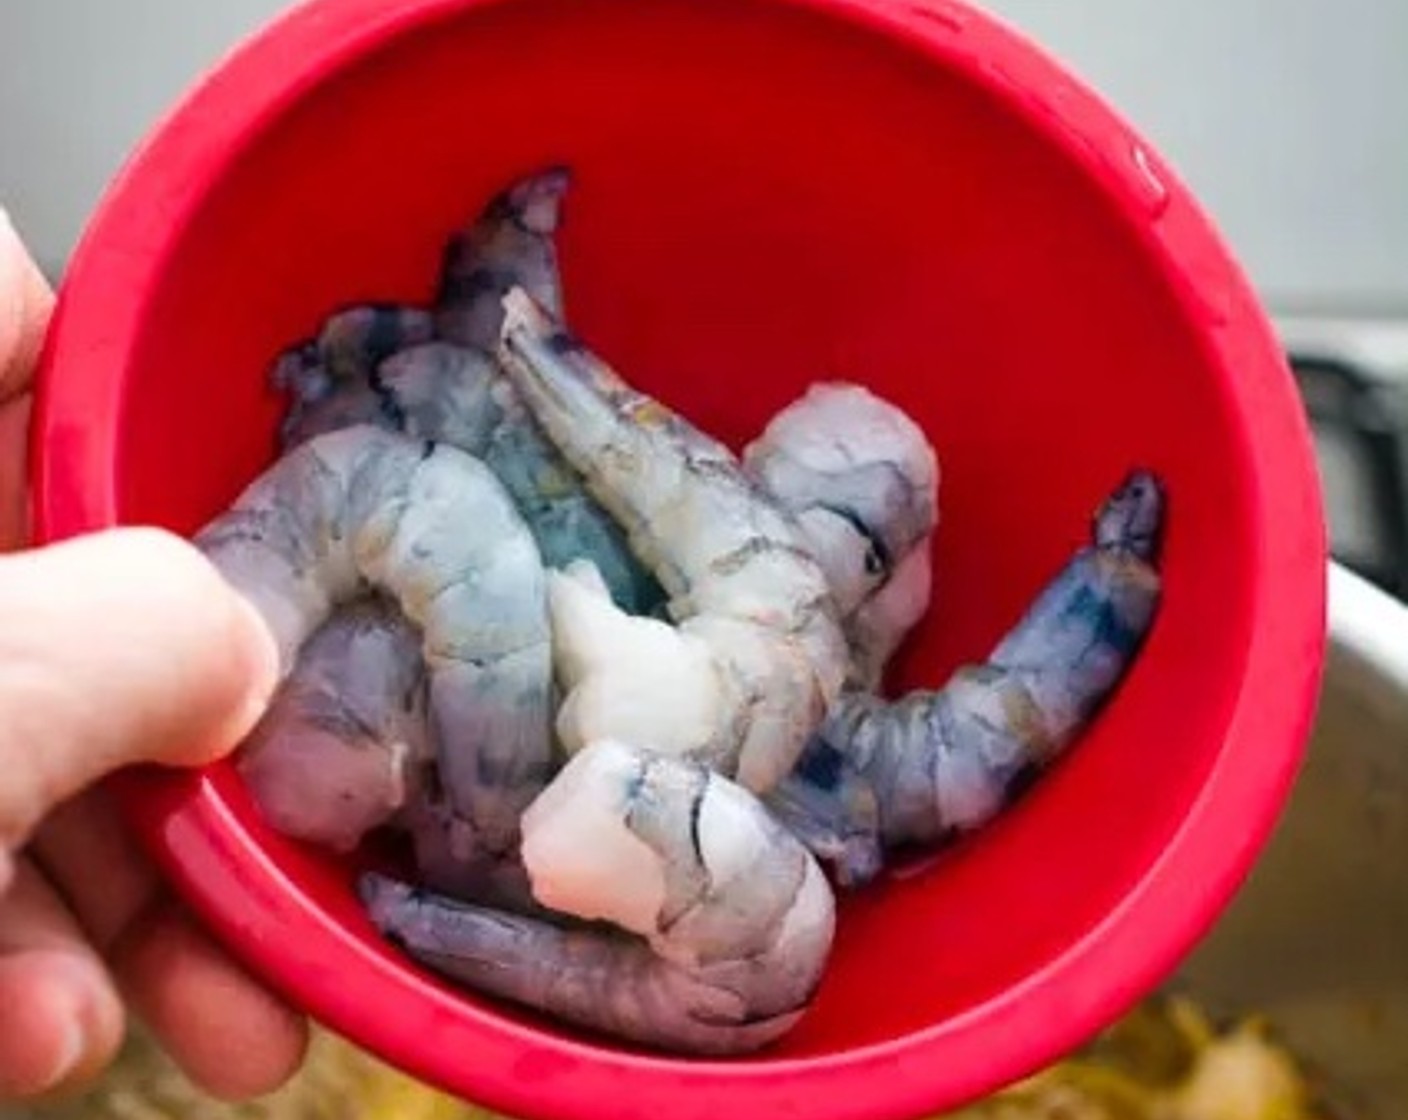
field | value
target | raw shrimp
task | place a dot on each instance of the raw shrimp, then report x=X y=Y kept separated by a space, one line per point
x=447 y=855
x=511 y=244
x=452 y=391
x=457 y=395
x=332 y=380
x=883 y=776
x=725 y=921
x=429 y=525
x=861 y=480
x=378 y=365
x=335 y=381
x=758 y=642
x=855 y=471
x=339 y=751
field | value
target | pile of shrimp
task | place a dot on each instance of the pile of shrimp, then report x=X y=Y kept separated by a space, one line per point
x=618 y=685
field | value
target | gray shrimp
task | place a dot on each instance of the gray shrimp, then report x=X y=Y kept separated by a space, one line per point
x=450 y=390
x=724 y=921
x=432 y=527
x=340 y=750
x=511 y=244
x=758 y=643
x=858 y=475
x=447 y=854
x=378 y=365
x=861 y=480
x=332 y=381
x=880 y=777
x=457 y=395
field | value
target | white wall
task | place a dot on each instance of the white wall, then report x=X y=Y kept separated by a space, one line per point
x=81 y=81
x=1288 y=117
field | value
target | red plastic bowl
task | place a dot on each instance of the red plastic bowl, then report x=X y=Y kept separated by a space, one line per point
x=905 y=194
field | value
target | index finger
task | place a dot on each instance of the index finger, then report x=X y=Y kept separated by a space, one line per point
x=26 y=303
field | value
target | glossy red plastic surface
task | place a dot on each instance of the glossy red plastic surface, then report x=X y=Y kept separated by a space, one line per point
x=768 y=193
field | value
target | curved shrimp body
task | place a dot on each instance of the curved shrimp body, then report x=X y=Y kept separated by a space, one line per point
x=512 y=243
x=725 y=922
x=861 y=480
x=883 y=776
x=430 y=526
x=742 y=582
x=339 y=750
x=456 y=395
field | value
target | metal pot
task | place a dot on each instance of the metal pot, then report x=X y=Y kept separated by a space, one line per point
x=1318 y=939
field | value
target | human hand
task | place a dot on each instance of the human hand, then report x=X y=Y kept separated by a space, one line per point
x=121 y=648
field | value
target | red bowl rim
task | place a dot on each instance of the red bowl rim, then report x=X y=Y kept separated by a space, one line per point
x=217 y=865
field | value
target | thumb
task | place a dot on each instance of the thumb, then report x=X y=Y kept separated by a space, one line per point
x=119 y=648
x=25 y=305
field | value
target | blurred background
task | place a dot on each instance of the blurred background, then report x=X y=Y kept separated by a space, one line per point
x=1288 y=119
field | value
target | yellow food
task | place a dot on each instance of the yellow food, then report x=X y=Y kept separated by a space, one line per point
x=1166 y=1061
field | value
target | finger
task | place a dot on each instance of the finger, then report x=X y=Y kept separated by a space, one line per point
x=61 y=1021
x=91 y=857
x=228 y=1035
x=119 y=648
x=26 y=304
x=14 y=472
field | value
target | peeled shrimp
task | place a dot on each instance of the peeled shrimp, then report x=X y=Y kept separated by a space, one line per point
x=444 y=392
x=856 y=473
x=758 y=643
x=431 y=527
x=380 y=365
x=725 y=922
x=883 y=776
x=451 y=390
x=340 y=749
x=861 y=480
x=511 y=244
x=332 y=381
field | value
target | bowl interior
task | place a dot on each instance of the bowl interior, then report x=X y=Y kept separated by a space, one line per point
x=766 y=197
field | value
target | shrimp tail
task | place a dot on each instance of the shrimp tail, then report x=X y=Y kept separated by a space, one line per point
x=590 y=978
x=934 y=765
x=1079 y=638
x=379 y=366
x=354 y=342
x=511 y=244
x=331 y=381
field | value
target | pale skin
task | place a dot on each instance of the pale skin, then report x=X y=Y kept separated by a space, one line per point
x=121 y=648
